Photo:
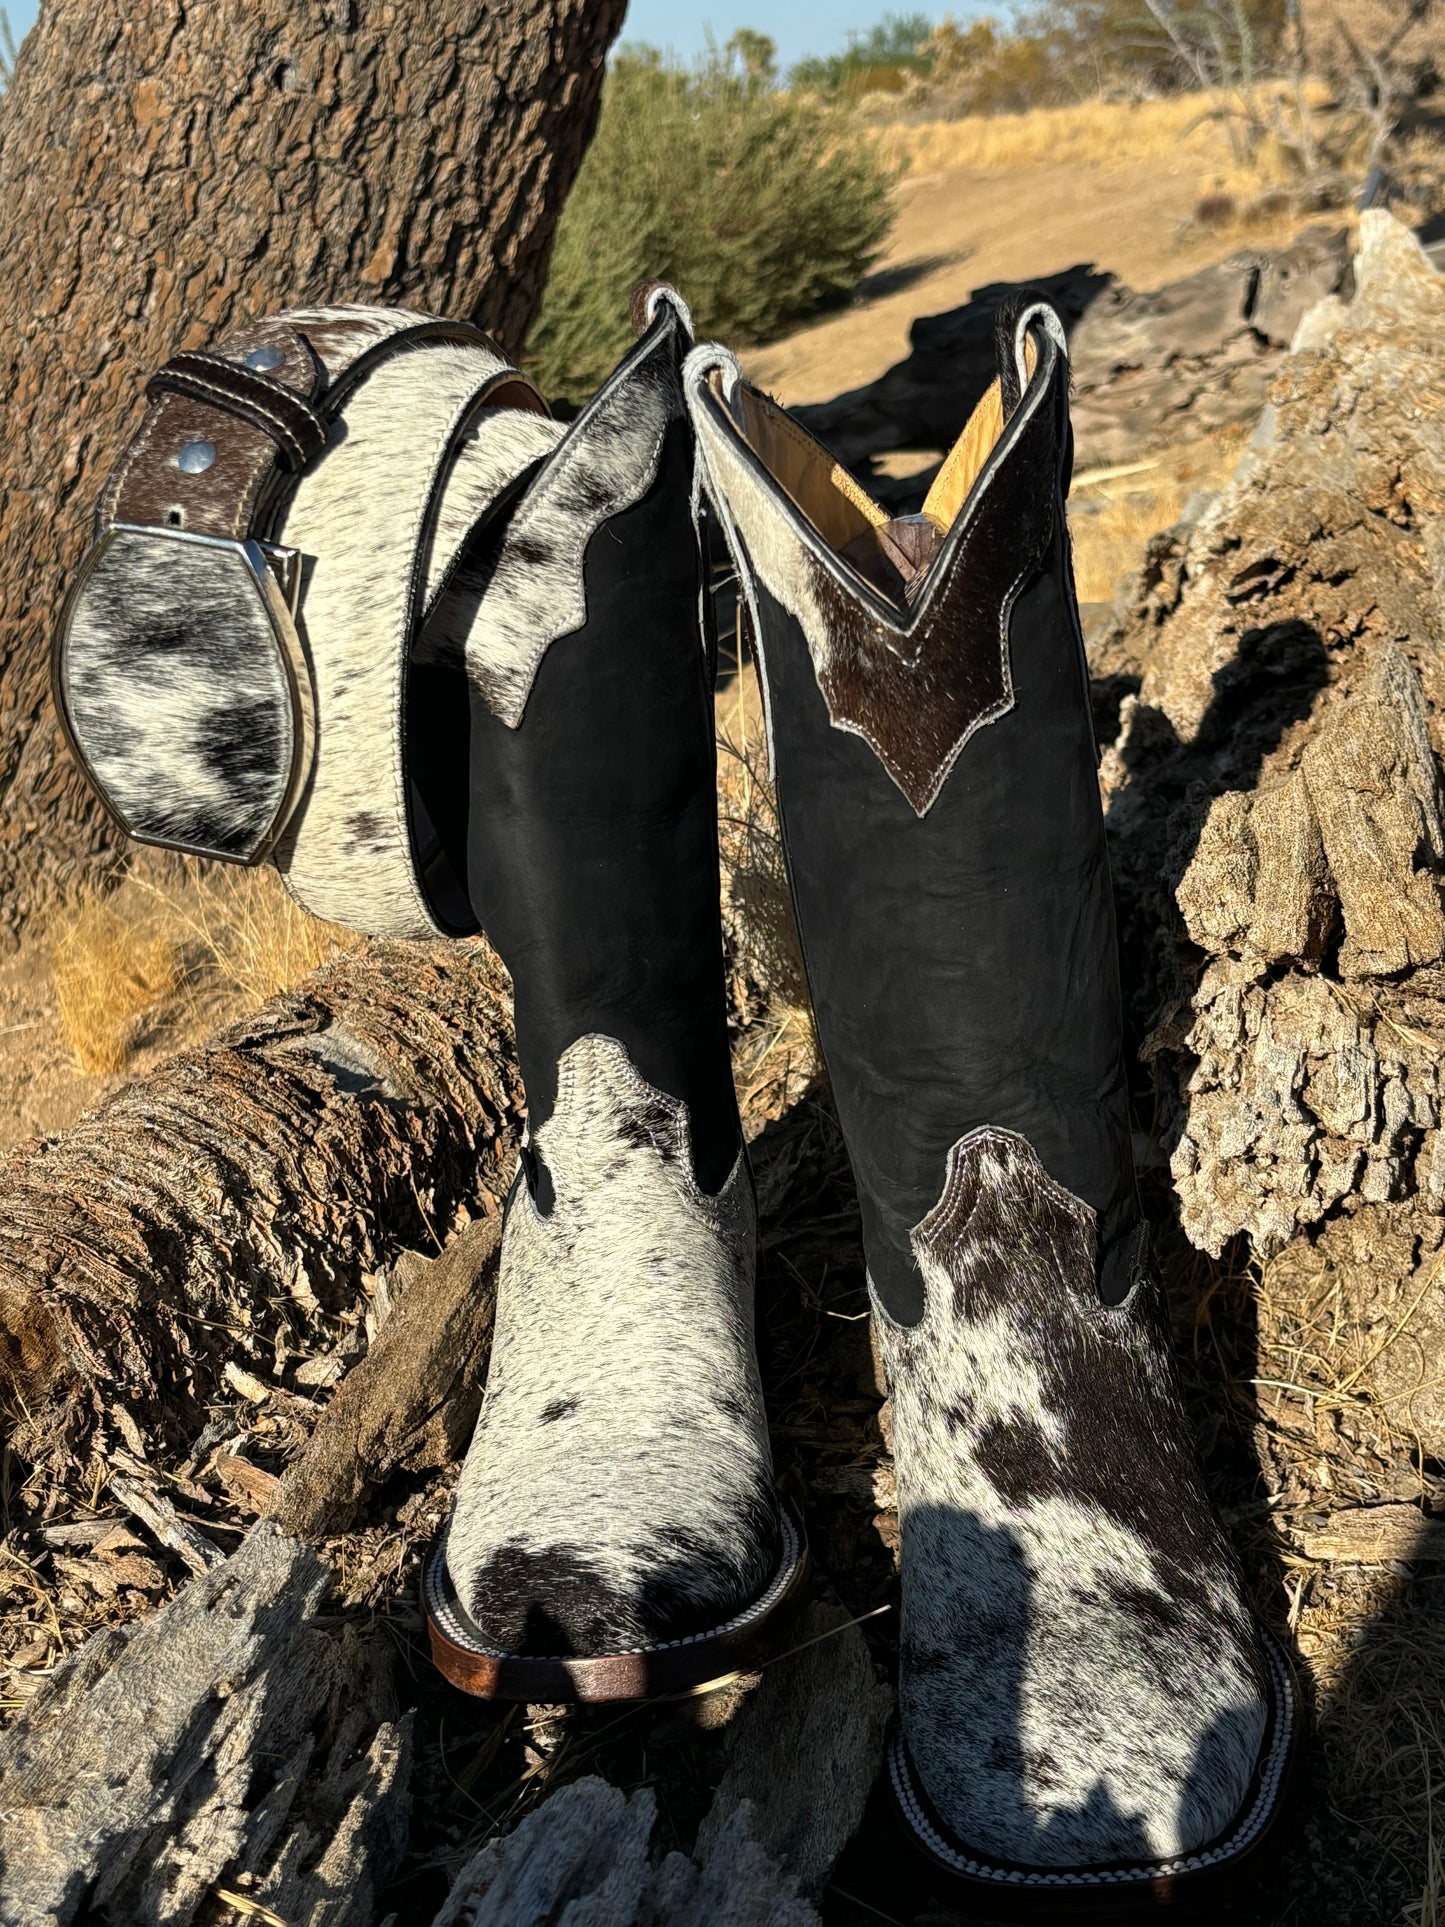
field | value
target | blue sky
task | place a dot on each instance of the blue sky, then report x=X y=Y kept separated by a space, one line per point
x=21 y=15
x=799 y=26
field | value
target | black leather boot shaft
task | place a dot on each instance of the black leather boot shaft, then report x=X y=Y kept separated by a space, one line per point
x=1086 y=1712
x=593 y=858
x=937 y=790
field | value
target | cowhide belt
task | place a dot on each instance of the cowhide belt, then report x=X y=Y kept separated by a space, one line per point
x=236 y=659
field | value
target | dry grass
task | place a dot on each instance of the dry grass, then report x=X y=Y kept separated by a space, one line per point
x=108 y=976
x=253 y=938
x=1091 y=131
x=164 y=962
x=1112 y=513
x=1298 y=1349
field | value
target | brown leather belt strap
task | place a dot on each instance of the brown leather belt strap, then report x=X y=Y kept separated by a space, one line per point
x=278 y=411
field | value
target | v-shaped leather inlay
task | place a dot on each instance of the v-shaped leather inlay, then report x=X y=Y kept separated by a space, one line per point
x=914 y=685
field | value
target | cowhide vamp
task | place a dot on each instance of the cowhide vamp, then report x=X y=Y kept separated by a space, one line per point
x=915 y=682
x=1081 y=1683
x=618 y=1491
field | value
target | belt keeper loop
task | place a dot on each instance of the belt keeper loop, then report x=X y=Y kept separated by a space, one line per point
x=278 y=411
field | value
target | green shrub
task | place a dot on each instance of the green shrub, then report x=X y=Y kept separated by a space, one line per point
x=878 y=61
x=761 y=207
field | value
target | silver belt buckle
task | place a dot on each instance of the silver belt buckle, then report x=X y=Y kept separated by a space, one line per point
x=182 y=681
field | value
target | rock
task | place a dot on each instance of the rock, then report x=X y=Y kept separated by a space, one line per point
x=1273 y=794
x=1196 y=355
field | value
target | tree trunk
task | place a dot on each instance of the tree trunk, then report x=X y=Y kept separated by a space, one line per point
x=1278 y=836
x=222 y=1213
x=167 y=170
x=1279 y=841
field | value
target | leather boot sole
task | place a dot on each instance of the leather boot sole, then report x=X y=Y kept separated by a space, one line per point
x=650 y=1672
x=1200 y=1882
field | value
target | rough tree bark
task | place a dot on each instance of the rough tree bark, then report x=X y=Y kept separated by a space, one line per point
x=1279 y=832
x=414 y=1398
x=231 y=1204
x=587 y=1854
x=166 y=170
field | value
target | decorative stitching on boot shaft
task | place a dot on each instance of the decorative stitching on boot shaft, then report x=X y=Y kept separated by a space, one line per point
x=1081 y=1681
x=914 y=684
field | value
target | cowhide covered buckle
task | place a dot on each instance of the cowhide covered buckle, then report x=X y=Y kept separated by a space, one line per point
x=183 y=686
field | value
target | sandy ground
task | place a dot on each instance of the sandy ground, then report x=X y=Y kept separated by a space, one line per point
x=958 y=231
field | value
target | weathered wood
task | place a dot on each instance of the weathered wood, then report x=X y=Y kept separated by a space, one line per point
x=245 y=1188
x=585 y=1859
x=805 y=1748
x=155 y=1510
x=1375 y=1535
x=412 y=1401
x=1273 y=791
x=166 y=170
x=225 y=1742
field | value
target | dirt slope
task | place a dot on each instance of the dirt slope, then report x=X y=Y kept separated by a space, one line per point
x=958 y=230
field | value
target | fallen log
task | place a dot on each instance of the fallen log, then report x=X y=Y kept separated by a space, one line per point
x=411 y=1403
x=226 y=1745
x=804 y=1749
x=229 y=1206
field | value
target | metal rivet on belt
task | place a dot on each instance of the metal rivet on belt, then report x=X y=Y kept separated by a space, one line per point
x=263 y=359
x=196 y=457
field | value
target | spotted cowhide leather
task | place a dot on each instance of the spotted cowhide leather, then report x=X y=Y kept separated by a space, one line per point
x=618 y=1490
x=1081 y=1682
x=916 y=682
x=1084 y=1699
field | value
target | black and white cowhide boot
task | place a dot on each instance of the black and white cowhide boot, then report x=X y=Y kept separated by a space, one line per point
x=616 y=1532
x=1090 y=1721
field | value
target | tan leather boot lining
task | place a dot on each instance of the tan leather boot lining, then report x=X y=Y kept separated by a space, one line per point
x=965 y=460
x=822 y=488
x=945 y=499
x=845 y=515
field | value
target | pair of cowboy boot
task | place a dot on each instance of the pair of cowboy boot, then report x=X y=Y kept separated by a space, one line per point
x=1088 y=1713
x=1090 y=1723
